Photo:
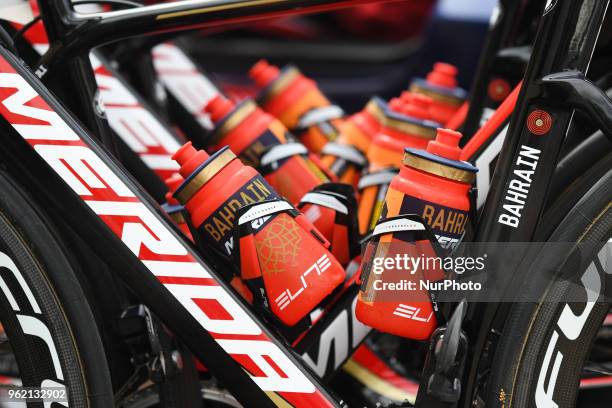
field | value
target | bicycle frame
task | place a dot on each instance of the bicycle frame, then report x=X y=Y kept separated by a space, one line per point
x=166 y=272
x=504 y=28
x=162 y=268
x=72 y=35
x=338 y=328
x=85 y=32
x=533 y=146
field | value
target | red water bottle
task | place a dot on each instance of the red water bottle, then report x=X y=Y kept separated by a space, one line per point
x=359 y=129
x=261 y=141
x=441 y=86
x=215 y=187
x=434 y=185
x=298 y=103
x=407 y=123
x=179 y=215
x=280 y=256
x=390 y=298
x=346 y=156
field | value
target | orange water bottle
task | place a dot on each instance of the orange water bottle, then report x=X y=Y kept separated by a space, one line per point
x=428 y=200
x=263 y=142
x=441 y=86
x=434 y=184
x=298 y=102
x=346 y=156
x=278 y=254
x=407 y=123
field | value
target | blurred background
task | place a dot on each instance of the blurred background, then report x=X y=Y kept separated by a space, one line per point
x=354 y=53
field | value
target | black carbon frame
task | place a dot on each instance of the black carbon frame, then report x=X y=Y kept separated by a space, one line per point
x=506 y=26
x=555 y=50
x=80 y=33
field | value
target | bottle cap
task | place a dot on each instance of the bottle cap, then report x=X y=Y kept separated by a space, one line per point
x=189 y=158
x=446 y=144
x=218 y=107
x=198 y=168
x=443 y=75
x=262 y=73
x=416 y=105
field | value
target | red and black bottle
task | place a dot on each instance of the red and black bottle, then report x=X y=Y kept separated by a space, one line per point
x=345 y=157
x=441 y=86
x=279 y=254
x=298 y=103
x=407 y=123
x=428 y=200
x=263 y=142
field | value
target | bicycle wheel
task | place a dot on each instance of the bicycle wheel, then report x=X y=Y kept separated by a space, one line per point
x=48 y=325
x=545 y=345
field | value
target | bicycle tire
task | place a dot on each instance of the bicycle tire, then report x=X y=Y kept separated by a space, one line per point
x=526 y=370
x=45 y=315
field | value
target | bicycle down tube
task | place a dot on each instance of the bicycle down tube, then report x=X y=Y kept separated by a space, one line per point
x=165 y=272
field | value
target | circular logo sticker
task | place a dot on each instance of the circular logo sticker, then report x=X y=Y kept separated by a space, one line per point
x=539 y=122
x=498 y=89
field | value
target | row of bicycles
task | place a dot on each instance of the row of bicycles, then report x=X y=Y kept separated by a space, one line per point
x=170 y=239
